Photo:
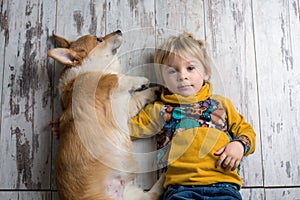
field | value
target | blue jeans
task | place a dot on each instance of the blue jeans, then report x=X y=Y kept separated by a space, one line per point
x=222 y=192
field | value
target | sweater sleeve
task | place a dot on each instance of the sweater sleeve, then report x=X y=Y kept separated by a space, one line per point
x=239 y=128
x=147 y=122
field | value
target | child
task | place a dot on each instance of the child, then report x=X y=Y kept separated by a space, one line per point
x=202 y=137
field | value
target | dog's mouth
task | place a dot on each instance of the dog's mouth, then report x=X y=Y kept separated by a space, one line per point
x=146 y=86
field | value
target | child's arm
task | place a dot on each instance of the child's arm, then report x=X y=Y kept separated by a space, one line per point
x=240 y=130
x=147 y=122
x=243 y=142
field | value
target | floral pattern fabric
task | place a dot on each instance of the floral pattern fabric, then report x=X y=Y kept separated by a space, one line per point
x=208 y=113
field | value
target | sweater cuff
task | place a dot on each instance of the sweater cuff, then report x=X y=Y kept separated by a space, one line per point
x=245 y=142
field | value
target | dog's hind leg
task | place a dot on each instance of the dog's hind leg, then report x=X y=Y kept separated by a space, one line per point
x=132 y=192
x=158 y=189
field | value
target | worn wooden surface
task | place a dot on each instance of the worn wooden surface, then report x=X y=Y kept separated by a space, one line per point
x=255 y=46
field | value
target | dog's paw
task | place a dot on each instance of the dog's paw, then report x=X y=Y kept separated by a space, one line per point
x=132 y=83
x=141 y=98
x=140 y=83
x=146 y=96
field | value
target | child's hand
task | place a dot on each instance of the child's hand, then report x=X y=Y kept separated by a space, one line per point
x=55 y=127
x=230 y=156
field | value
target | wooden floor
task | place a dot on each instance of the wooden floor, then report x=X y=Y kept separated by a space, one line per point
x=254 y=45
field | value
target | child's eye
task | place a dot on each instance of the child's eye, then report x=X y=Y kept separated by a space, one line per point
x=191 y=67
x=171 y=71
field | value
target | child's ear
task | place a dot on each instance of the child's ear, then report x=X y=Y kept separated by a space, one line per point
x=64 y=56
x=206 y=77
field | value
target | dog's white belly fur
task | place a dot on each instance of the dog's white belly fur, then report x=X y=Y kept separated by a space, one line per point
x=115 y=186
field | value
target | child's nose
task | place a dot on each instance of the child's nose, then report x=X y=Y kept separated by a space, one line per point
x=182 y=76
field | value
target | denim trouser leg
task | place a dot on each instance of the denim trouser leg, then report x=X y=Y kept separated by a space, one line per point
x=201 y=192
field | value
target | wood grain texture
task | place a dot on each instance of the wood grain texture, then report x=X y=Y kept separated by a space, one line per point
x=26 y=195
x=255 y=47
x=175 y=17
x=136 y=20
x=80 y=17
x=283 y=193
x=253 y=194
x=277 y=32
x=26 y=97
x=230 y=35
x=3 y=35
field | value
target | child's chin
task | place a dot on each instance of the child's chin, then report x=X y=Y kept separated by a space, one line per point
x=187 y=94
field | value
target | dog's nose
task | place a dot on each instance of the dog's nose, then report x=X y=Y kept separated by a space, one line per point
x=118 y=32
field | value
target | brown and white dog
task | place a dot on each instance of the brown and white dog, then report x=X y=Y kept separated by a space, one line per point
x=95 y=158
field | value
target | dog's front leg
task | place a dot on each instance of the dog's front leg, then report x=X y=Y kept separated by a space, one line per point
x=131 y=83
x=139 y=99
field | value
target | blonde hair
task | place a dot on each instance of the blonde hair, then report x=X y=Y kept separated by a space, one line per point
x=182 y=45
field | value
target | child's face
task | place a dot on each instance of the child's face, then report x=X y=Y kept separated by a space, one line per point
x=183 y=75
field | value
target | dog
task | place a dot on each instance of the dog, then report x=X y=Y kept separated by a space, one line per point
x=94 y=158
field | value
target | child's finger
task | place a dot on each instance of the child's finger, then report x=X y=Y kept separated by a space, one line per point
x=220 y=160
x=236 y=164
x=220 y=151
x=229 y=165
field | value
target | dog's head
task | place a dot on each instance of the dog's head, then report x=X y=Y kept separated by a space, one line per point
x=87 y=51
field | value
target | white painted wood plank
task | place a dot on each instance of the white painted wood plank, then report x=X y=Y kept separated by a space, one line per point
x=78 y=18
x=271 y=193
x=136 y=20
x=24 y=195
x=3 y=38
x=277 y=33
x=252 y=194
x=283 y=194
x=26 y=103
x=174 y=17
x=230 y=35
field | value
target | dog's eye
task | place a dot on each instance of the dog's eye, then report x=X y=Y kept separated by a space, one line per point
x=99 y=39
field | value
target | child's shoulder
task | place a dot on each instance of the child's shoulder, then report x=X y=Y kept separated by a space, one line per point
x=218 y=97
x=223 y=100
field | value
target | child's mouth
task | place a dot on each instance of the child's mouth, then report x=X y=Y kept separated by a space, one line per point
x=183 y=87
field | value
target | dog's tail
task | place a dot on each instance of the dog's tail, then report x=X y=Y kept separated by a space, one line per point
x=132 y=192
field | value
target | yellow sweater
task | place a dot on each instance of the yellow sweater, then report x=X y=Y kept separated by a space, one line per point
x=191 y=159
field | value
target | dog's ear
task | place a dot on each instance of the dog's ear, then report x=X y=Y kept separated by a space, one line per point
x=65 y=56
x=61 y=42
